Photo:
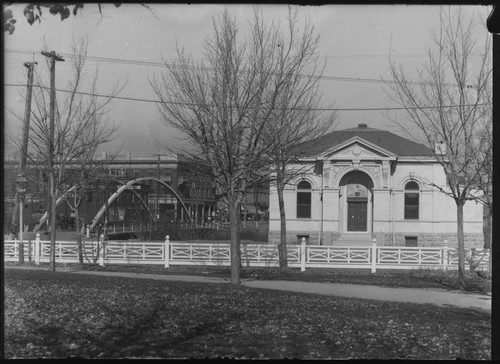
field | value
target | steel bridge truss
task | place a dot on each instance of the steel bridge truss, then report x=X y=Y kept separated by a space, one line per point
x=125 y=187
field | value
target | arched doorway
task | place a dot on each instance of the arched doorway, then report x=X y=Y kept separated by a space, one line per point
x=356 y=207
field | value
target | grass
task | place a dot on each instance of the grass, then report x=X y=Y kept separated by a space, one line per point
x=418 y=278
x=62 y=315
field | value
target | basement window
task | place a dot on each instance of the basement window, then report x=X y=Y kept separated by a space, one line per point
x=411 y=241
x=299 y=239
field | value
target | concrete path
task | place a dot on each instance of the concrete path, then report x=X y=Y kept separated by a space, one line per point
x=439 y=297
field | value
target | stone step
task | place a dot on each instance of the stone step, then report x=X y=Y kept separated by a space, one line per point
x=355 y=239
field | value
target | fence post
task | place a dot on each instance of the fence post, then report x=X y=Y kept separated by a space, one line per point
x=21 y=251
x=30 y=251
x=303 y=255
x=445 y=255
x=37 y=249
x=88 y=231
x=167 y=251
x=374 y=255
x=16 y=247
x=101 y=257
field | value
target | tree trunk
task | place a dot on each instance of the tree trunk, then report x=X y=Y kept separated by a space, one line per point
x=487 y=221
x=15 y=210
x=461 y=246
x=489 y=233
x=234 y=213
x=78 y=237
x=53 y=201
x=282 y=251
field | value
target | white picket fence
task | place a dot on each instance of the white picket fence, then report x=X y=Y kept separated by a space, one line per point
x=252 y=255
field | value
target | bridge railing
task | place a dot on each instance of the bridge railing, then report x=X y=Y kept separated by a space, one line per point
x=118 y=227
x=252 y=255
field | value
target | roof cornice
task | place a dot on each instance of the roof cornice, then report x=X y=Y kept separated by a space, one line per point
x=362 y=141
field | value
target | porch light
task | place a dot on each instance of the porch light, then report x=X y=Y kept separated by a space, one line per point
x=21 y=183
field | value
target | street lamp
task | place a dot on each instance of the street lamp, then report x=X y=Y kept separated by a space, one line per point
x=21 y=183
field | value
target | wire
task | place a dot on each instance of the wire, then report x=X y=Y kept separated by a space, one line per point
x=338 y=56
x=162 y=64
x=193 y=104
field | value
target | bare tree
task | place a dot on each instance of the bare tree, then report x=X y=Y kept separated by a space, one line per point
x=447 y=106
x=484 y=167
x=227 y=106
x=484 y=176
x=85 y=172
x=297 y=119
x=79 y=129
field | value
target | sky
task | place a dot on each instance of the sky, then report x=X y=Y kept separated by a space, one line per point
x=127 y=45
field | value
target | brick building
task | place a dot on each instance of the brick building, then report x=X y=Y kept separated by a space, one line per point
x=189 y=179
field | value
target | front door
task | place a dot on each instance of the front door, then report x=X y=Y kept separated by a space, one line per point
x=356 y=215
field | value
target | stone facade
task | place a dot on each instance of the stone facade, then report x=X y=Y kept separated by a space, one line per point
x=472 y=240
x=357 y=190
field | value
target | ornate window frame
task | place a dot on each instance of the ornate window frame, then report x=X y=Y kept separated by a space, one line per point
x=411 y=203
x=304 y=203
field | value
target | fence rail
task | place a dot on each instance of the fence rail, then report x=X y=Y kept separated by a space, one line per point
x=114 y=227
x=252 y=255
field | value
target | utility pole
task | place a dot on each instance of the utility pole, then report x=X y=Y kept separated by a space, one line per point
x=24 y=154
x=157 y=212
x=27 y=114
x=24 y=147
x=51 y=144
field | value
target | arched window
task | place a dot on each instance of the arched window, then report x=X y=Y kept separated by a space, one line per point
x=412 y=194
x=304 y=200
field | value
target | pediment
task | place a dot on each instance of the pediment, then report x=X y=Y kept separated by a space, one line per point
x=357 y=148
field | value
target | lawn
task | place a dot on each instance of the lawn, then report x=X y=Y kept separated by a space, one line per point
x=61 y=315
x=413 y=278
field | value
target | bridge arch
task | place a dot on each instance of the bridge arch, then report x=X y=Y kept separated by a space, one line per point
x=125 y=187
x=113 y=197
x=45 y=216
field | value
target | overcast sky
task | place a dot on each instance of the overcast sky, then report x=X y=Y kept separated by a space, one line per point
x=127 y=45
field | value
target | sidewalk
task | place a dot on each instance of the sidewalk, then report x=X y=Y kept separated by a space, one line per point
x=438 y=297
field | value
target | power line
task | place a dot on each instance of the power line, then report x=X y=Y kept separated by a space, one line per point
x=193 y=104
x=337 y=56
x=162 y=64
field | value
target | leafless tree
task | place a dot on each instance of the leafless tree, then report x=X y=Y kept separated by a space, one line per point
x=484 y=167
x=227 y=106
x=80 y=127
x=484 y=173
x=84 y=175
x=446 y=105
x=297 y=119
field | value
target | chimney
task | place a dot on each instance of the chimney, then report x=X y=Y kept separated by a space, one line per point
x=440 y=148
x=129 y=156
x=362 y=126
x=104 y=155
